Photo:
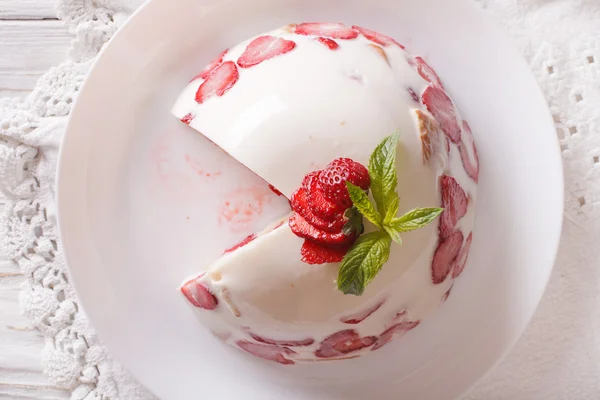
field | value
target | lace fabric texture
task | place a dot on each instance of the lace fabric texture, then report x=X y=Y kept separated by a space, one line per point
x=561 y=41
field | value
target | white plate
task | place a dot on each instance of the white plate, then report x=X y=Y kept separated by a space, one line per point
x=138 y=211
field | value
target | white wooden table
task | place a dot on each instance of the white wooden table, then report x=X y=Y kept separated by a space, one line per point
x=31 y=41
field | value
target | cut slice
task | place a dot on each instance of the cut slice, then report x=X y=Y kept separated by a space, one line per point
x=329 y=43
x=461 y=261
x=218 y=82
x=362 y=315
x=198 y=294
x=317 y=253
x=454 y=203
x=470 y=161
x=445 y=256
x=393 y=332
x=377 y=37
x=300 y=204
x=319 y=204
x=212 y=66
x=427 y=72
x=343 y=342
x=332 y=30
x=439 y=104
x=244 y=242
x=264 y=48
x=305 y=230
x=267 y=351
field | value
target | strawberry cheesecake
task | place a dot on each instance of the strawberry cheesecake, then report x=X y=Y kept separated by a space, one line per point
x=381 y=173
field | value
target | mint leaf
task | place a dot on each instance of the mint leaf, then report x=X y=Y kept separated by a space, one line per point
x=414 y=219
x=363 y=262
x=394 y=234
x=382 y=170
x=392 y=210
x=361 y=201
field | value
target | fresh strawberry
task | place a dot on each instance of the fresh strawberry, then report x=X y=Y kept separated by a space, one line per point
x=218 y=82
x=199 y=295
x=332 y=180
x=302 y=228
x=376 y=37
x=445 y=256
x=299 y=204
x=317 y=253
x=268 y=352
x=264 y=48
x=244 y=242
x=321 y=206
x=343 y=342
x=332 y=30
x=211 y=67
x=461 y=260
x=429 y=135
x=187 y=118
x=285 y=343
x=455 y=204
x=439 y=104
x=427 y=72
x=330 y=43
x=470 y=162
x=361 y=316
x=394 y=332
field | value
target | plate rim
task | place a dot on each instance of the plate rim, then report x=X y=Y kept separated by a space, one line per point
x=70 y=131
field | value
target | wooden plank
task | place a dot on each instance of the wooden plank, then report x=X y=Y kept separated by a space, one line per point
x=20 y=343
x=27 y=9
x=29 y=49
x=31 y=392
x=21 y=375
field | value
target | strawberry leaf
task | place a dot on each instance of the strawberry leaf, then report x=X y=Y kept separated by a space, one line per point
x=414 y=219
x=361 y=202
x=363 y=262
x=382 y=170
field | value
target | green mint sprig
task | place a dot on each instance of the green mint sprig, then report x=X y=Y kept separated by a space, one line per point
x=371 y=251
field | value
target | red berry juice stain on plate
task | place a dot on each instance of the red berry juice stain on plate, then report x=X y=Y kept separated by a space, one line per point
x=198 y=169
x=242 y=206
x=170 y=178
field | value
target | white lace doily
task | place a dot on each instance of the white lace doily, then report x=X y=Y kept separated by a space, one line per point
x=556 y=358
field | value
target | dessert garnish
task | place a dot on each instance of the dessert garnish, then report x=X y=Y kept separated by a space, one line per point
x=328 y=213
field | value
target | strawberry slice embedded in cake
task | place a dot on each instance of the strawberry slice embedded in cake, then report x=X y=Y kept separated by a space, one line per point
x=218 y=82
x=442 y=108
x=377 y=37
x=212 y=66
x=331 y=30
x=468 y=153
x=455 y=204
x=264 y=48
